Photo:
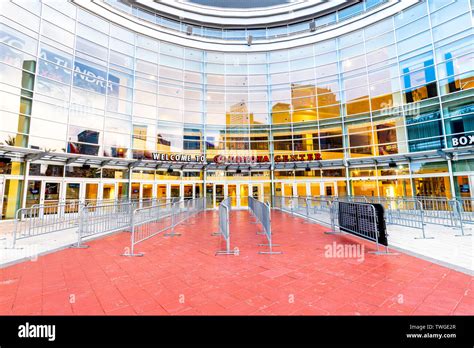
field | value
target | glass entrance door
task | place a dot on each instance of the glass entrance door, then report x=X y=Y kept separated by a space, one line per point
x=161 y=193
x=463 y=186
x=72 y=197
x=209 y=196
x=244 y=193
x=315 y=188
x=301 y=189
x=72 y=191
x=147 y=191
x=175 y=191
x=257 y=191
x=232 y=193
x=219 y=193
x=329 y=189
x=147 y=195
x=135 y=191
x=122 y=191
x=188 y=191
x=288 y=189
x=92 y=191
x=108 y=192
x=51 y=197
x=33 y=194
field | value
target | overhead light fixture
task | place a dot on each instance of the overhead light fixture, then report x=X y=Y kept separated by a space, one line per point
x=169 y=170
x=86 y=166
x=308 y=169
x=392 y=164
x=238 y=170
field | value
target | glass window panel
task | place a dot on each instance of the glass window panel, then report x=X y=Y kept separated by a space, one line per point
x=92 y=21
x=20 y=15
x=122 y=34
x=413 y=43
x=53 y=16
x=16 y=41
x=413 y=28
x=92 y=35
x=378 y=28
x=51 y=88
x=453 y=26
x=410 y=14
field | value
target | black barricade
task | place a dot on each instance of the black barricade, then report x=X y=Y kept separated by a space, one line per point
x=365 y=220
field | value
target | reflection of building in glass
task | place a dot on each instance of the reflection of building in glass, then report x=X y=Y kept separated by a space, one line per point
x=239 y=115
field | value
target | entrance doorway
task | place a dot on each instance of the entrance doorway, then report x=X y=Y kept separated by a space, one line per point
x=92 y=192
x=232 y=193
x=464 y=186
x=33 y=193
x=108 y=192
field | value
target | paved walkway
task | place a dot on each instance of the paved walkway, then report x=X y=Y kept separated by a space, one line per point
x=442 y=246
x=182 y=276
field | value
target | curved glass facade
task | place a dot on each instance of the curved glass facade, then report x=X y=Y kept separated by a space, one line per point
x=72 y=82
x=259 y=33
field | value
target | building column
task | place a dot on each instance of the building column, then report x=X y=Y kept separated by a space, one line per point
x=451 y=177
x=25 y=181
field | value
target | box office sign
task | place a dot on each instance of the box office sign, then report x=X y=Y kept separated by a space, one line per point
x=462 y=140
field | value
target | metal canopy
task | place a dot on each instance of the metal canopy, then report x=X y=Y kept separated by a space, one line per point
x=32 y=155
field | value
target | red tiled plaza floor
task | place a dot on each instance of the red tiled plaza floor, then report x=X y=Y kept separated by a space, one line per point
x=181 y=275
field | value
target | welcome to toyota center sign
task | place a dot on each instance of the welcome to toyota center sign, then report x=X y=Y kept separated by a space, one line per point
x=221 y=159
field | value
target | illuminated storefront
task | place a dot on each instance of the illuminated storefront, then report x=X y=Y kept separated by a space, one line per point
x=111 y=100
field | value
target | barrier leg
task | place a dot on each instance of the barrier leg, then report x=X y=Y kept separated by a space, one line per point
x=131 y=252
x=423 y=232
x=80 y=230
x=173 y=225
x=333 y=221
x=462 y=231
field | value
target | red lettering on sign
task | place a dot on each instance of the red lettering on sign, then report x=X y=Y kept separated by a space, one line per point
x=310 y=156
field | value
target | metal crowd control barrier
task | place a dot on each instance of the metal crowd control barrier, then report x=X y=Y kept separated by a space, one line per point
x=406 y=212
x=149 y=221
x=360 y=219
x=100 y=219
x=444 y=212
x=467 y=210
x=262 y=213
x=414 y=212
x=224 y=227
x=360 y=199
x=40 y=219
x=32 y=222
x=458 y=221
x=313 y=209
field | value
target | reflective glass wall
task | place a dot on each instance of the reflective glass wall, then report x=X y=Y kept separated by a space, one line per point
x=73 y=82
